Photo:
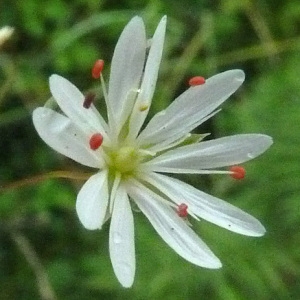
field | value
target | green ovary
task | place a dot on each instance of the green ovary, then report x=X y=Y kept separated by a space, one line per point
x=124 y=160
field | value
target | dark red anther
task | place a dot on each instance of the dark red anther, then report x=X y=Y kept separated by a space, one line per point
x=97 y=68
x=238 y=172
x=96 y=141
x=88 y=100
x=182 y=210
x=197 y=80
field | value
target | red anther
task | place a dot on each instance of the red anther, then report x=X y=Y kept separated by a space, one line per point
x=88 y=100
x=97 y=68
x=238 y=172
x=197 y=80
x=182 y=210
x=96 y=141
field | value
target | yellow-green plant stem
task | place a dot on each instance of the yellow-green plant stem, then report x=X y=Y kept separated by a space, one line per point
x=38 y=178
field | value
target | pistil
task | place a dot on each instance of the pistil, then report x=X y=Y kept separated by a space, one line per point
x=125 y=160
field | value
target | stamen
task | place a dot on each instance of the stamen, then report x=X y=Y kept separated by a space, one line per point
x=143 y=107
x=182 y=210
x=238 y=172
x=88 y=100
x=197 y=80
x=97 y=68
x=104 y=91
x=96 y=141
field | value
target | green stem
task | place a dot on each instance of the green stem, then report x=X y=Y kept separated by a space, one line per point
x=36 y=179
x=45 y=289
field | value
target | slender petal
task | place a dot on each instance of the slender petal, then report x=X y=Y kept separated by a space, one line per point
x=207 y=207
x=149 y=80
x=190 y=108
x=169 y=143
x=70 y=101
x=114 y=190
x=121 y=239
x=61 y=134
x=216 y=153
x=92 y=200
x=126 y=71
x=172 y=228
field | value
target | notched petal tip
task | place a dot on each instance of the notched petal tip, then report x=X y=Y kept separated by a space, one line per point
x=257 y=231
x=54 y=79
x=239 y=75
x=135 y=21
x=164 y=19
x=126 y=282
x=37 y=112
x=216 y=264
x=37 y=115
x=162 y=25
x=57 y=81
x=57 y=84
x=260 y=145
x=135 y=18
x=127 y=286
x=268 y=140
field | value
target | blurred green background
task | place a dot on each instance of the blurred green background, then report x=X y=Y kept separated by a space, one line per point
x=45 y=253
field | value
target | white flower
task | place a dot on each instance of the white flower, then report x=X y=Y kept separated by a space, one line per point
x=130 y=160
x=5 y=34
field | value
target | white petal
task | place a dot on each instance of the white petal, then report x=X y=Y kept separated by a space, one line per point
x=172 y=228
x=126 y=70
x=121 y=239
x=216 y=153
x=92 y=200
x=207 y=207
x=65 y=137
x=169 y=142
x=70 y=101
x=190 y=108
x=113 y=191
x=149 y=80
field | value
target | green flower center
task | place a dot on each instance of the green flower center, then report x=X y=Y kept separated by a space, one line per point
x=124 y=160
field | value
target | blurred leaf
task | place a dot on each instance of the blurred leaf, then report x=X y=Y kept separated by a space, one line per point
x=96 y=21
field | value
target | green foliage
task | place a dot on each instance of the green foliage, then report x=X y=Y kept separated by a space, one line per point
x=39 y=221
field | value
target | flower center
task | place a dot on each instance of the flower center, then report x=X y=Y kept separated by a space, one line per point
x=124 y=160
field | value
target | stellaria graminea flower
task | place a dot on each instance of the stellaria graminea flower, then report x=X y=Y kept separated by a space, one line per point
x=5 y=34
x=129 y=161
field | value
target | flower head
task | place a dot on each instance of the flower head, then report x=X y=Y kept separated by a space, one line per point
x=5 y=34
x=130 y=161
